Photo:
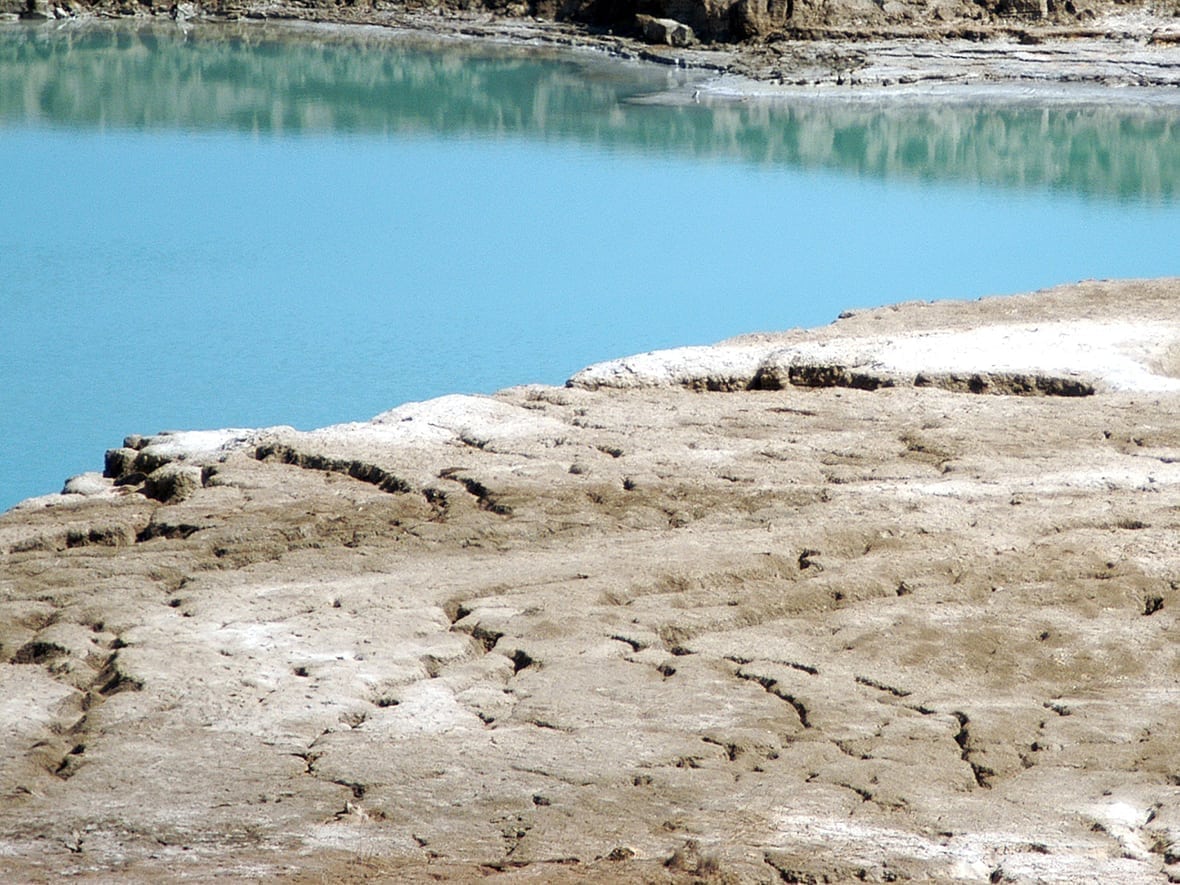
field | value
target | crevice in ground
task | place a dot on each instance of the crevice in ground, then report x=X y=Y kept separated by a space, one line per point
x=485 y=499
x=881 y=686
x=360 y=470
x=981 y=773
x=170 y=531
x=772 y=686
x=794 y=665
x=94 y=678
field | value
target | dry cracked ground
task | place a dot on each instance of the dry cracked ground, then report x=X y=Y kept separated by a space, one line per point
x=634 y=633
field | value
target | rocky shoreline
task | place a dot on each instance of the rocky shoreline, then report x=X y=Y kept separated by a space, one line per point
x=758 y=48
x=894 y=598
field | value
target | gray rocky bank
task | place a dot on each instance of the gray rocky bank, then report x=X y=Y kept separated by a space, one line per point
x=785 y=43
x=721 y=21
x=671 y=622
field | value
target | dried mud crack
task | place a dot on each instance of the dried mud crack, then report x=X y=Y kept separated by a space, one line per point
x=811 y=633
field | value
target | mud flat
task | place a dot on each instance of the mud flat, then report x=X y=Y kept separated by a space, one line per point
x=894 y=598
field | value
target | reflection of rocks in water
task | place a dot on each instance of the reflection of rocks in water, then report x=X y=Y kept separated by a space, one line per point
x=1097 y=150
x=255 y=79
x=255 y=82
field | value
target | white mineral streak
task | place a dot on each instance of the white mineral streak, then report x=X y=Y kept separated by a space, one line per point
x=678 y=367
x=433 y=421
x=175 y=444
x=1115 y=353
x=462 y=417
x=456 y=418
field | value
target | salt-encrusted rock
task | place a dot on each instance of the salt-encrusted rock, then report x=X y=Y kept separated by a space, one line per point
x=173 y=444
x=720 y=367
x=479 y=422
x=143 y=455
x=470 y=419
x=86 y=484
x=1065 y=357
x=1056 y=357
x=173 y=482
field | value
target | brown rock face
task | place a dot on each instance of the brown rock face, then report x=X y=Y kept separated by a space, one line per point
x=645 y=634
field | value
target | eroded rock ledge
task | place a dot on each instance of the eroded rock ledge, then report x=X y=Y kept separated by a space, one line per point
x=641 y=632
x=1035 y=346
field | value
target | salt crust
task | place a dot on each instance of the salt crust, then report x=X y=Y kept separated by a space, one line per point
x=1118 y=355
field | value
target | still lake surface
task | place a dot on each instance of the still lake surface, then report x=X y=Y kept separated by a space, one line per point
x=240 y=226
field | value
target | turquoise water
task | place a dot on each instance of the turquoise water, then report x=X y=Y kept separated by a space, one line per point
x=234 y=228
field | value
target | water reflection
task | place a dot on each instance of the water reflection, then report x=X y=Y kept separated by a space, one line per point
x=253 y=79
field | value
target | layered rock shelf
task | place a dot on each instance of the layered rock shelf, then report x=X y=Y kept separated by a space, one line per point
x=895 y=598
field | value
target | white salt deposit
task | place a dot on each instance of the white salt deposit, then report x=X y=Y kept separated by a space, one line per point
x=476 y=420
x=199 y=443
x=678 y=367
x=1118 y=354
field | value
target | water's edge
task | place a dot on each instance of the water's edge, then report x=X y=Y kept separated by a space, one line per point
x=1084 y=339
x=1123 y=66
x=912 y=137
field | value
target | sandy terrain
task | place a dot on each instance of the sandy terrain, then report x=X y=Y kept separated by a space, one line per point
x=694 y=617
